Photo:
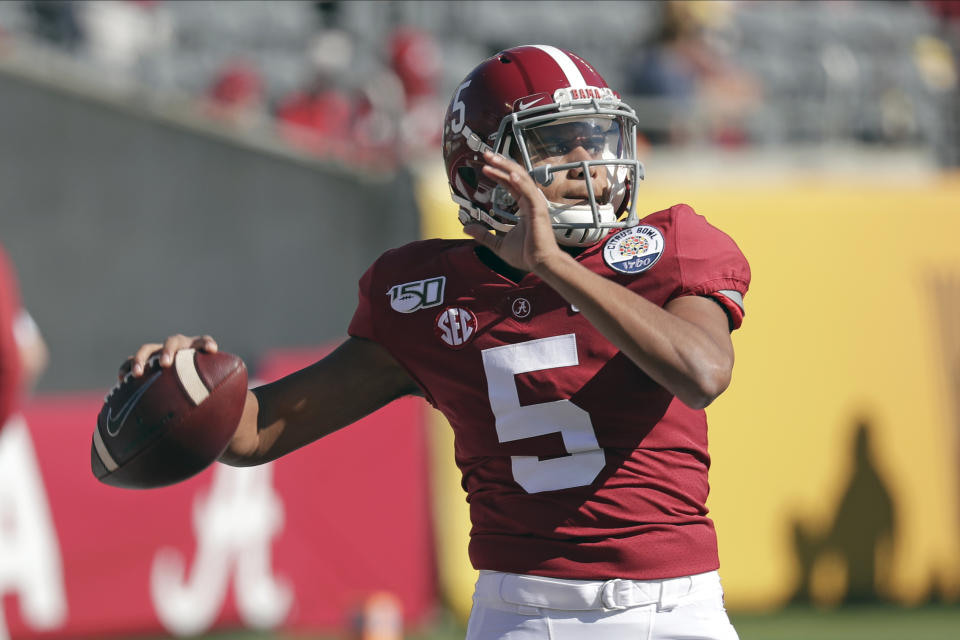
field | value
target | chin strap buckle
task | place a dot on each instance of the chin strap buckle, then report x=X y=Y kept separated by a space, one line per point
x=542 y=175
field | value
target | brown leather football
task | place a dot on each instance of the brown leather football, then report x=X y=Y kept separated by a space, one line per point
x=170 y=423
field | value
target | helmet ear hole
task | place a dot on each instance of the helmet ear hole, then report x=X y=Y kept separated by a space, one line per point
x=468 y=175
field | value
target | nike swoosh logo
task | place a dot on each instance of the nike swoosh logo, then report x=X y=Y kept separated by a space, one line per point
x=115 y=423
x=527 y=105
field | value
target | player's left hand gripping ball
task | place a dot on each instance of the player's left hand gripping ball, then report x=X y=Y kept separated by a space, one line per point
x=169 y=423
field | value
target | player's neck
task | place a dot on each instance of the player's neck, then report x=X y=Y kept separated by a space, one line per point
x=496 y=263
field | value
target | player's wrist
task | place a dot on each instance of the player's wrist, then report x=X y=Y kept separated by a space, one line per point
x=552 y=264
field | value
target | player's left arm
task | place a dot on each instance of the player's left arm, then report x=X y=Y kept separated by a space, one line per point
x=684 y=346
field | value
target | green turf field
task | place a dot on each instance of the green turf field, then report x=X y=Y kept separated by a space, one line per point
x=852 y=623
x=799 y=623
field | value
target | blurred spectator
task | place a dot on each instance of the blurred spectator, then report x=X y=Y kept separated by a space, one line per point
x=23 y=352
x=397 y=113
x=10 y=369
x=4 y=41
x=686 y=78
x=236 y=95
x=947 y=10
x=938 y=62
x=121 y=32
x=415 y=60
x=56 y=22
x=328 y=13
x=376 y=120
x=683 y=68
x=317 y=117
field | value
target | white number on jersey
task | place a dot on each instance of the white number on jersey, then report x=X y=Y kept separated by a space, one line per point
x=514 y=422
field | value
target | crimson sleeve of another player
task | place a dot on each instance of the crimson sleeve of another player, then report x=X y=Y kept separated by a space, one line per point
x=362 y=325
x=710 y=263
x=10 y=374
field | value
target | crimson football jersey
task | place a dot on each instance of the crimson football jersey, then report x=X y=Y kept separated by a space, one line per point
x=576 y=464
x=10 y=373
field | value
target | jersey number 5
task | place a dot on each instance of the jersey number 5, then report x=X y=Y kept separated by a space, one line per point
x=514 y=422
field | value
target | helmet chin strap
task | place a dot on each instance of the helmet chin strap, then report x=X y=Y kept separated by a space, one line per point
x=578 y=214
x=559 y=214
x=579 y=237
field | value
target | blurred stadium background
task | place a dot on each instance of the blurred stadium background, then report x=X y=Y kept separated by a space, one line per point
x=232 y=168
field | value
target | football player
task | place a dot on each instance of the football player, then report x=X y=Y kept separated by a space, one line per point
x=23 y=351
x=571 y=346
x=9 y=353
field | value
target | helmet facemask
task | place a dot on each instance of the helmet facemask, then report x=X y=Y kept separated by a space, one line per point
x=540 y=138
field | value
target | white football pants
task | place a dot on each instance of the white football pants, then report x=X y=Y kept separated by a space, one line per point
x=508 y=606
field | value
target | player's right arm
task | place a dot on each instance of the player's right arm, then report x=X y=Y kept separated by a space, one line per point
x=356 y=379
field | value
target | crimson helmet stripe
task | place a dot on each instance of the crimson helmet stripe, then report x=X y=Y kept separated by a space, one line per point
x=567 y=65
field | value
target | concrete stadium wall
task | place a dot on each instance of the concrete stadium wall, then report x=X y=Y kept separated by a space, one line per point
x=126 y=228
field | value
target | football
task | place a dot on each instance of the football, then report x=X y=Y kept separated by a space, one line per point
x=170 y=423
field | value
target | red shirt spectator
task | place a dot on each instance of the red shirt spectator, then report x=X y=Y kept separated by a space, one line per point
x=416 y=61
x=236 y=95
x=317 y=119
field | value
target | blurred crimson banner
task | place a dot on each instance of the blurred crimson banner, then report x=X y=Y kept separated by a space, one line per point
x=298 y=544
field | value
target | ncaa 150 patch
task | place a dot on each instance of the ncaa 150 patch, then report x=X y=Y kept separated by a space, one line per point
x=633 y=250
x=420 y=294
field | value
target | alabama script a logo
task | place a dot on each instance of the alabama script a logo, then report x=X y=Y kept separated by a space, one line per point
x=235 y=524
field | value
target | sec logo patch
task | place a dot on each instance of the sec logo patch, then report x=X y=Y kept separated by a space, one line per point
x=633 y=250
x=456 y=326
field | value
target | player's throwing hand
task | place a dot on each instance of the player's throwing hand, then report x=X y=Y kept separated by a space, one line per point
x=166 y=350
x=531 y=242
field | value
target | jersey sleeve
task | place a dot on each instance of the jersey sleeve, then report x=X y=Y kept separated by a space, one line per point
x=711 y=264
x=362 y=324
x=10 y=374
